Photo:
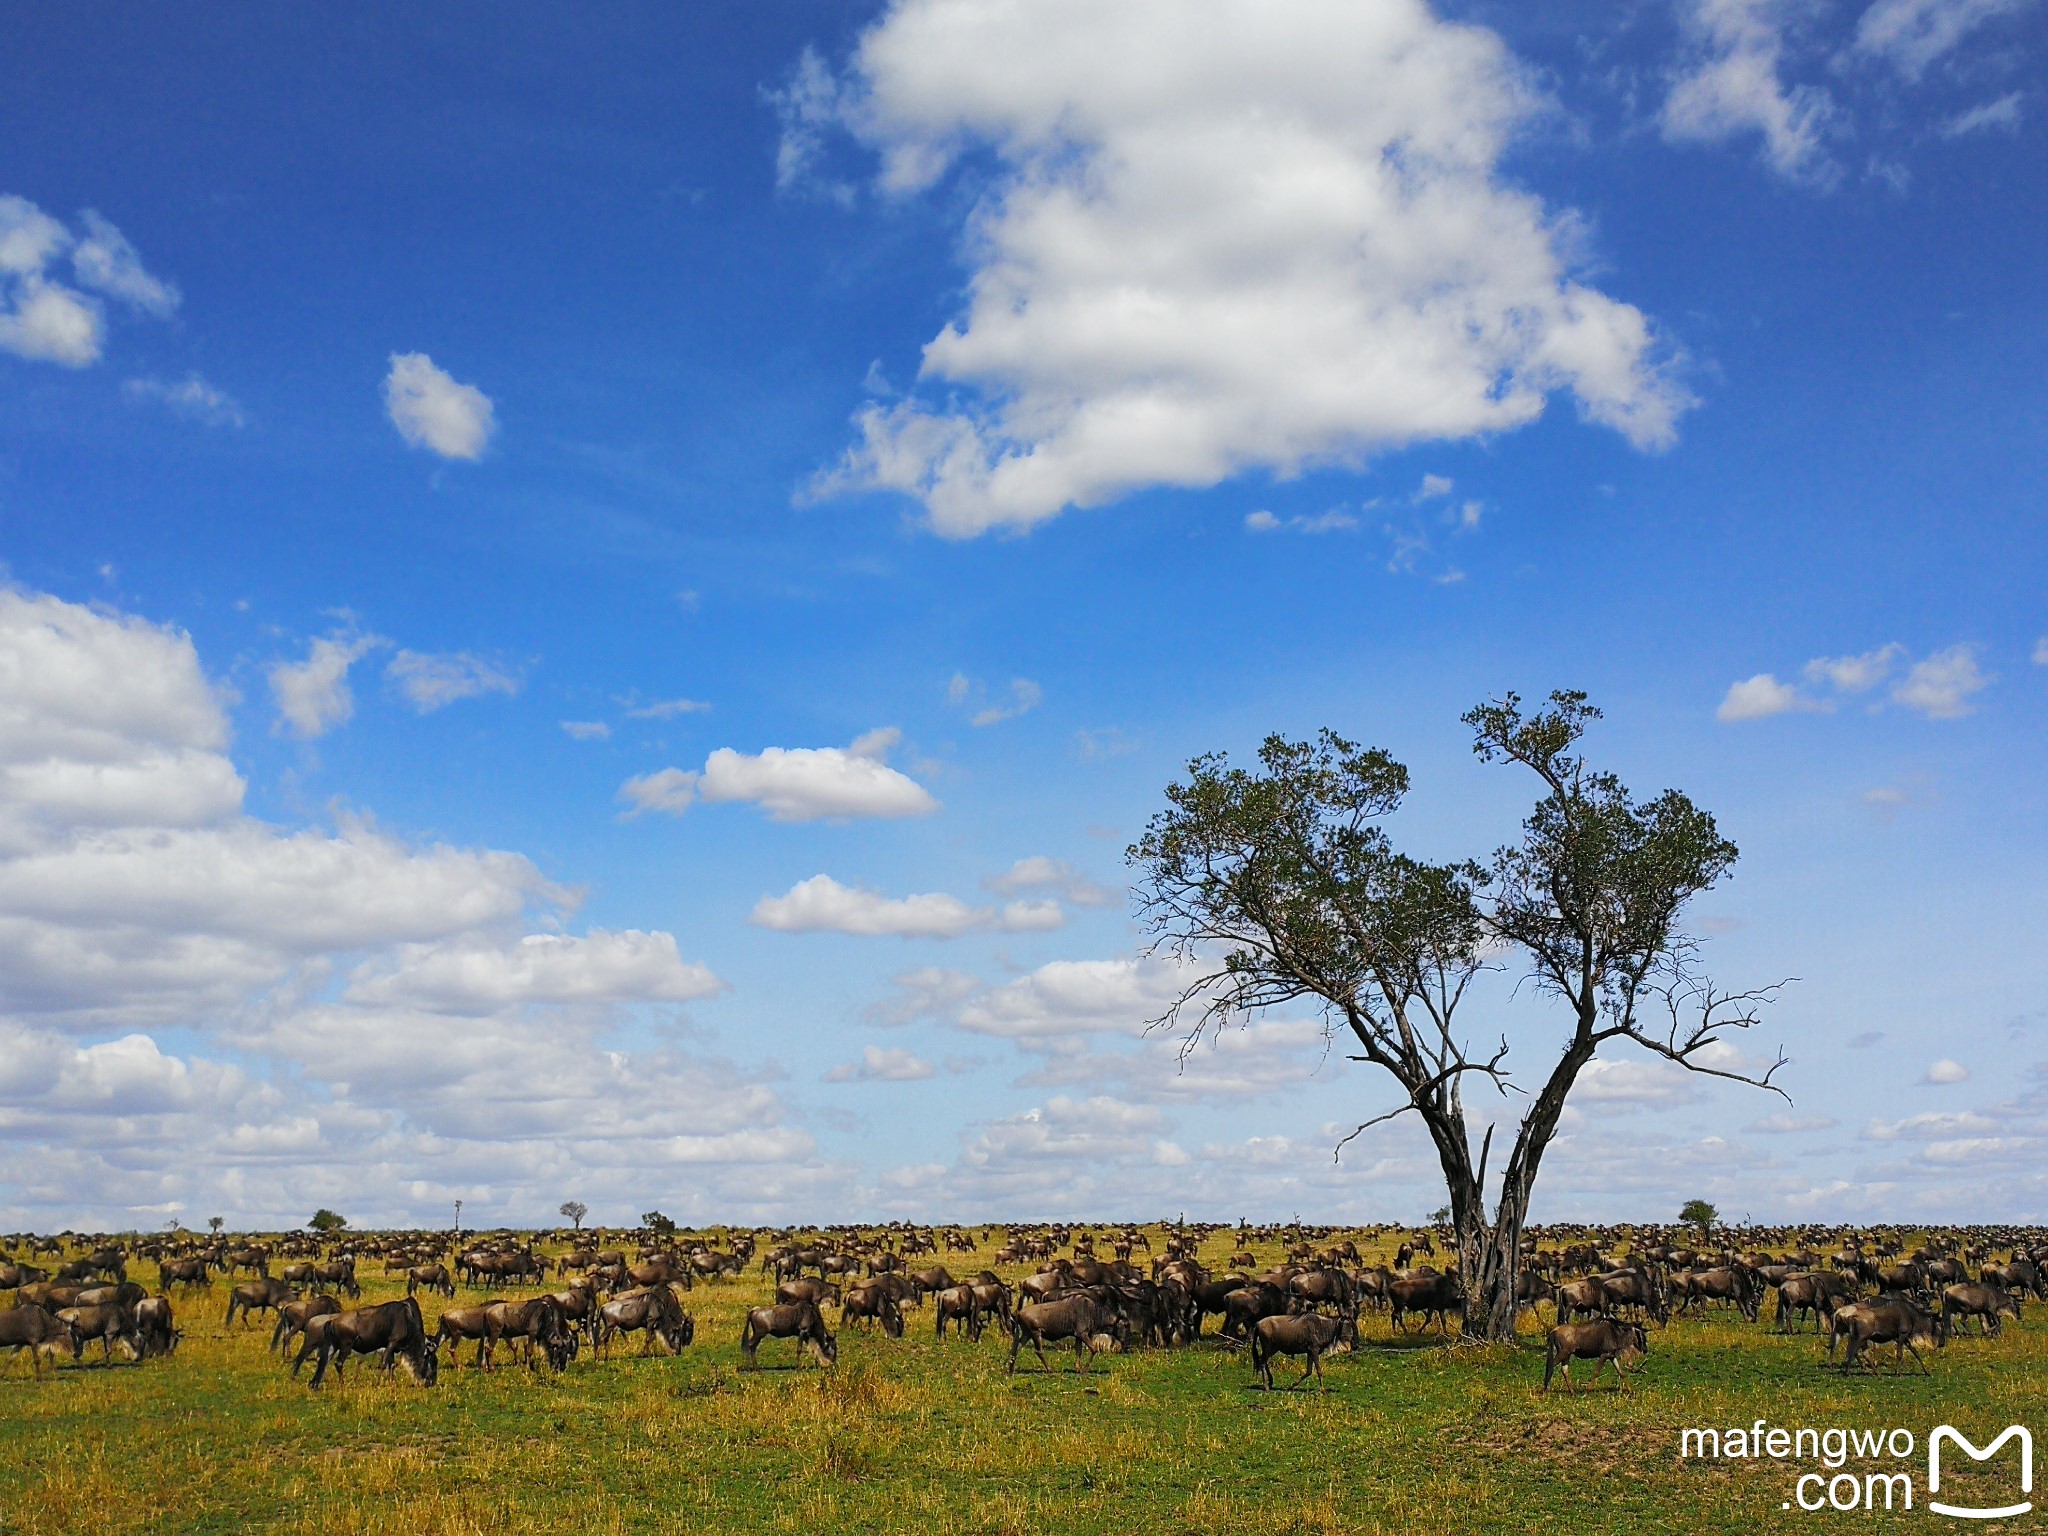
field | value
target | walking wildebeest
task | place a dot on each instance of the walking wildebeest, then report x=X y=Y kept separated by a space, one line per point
x=799 y=1320
x=393 y=1329
x=257 y=1296
x=1310 y=1334
x=110 y=1325
x=1983 y=1302
x=36 y=1330
x=156 y=1326
x=295 y=1317
x=1604 y=1341
x=536 y=1320
x=1890 y=1320
x=1429 y=1295
x=429 y=1277
x=1080 y=1318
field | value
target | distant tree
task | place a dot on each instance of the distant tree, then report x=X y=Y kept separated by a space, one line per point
x=325 y=1221
x=215 y=1223
x=1440 y=1217
x=1700 y=1213
x=658 y=1224
x=575 y=1210
x=1281 y=885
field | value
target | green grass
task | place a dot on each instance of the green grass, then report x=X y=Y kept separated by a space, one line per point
x=913 y=1435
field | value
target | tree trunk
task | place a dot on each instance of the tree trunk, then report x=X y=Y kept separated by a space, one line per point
x=1489 y=1255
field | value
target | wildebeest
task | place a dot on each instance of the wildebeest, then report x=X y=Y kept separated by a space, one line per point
x=805 y=1288
x=1310 y=1334
x=1984 y=1302
x=37 y=1330
x=1819 y=1293
x=1606 y=1340
x=172 y=1272
x=1889 y=1320
x=874 y=1302
x=156 y=1326
x=110 y=1325
x=295 y=1317
x=653 y=1311
x=959 y=1304
x=429 y=1277
x=393 y=1329
x=1080 y=1318
x=536 y=1320
x=799 y=1320
x=463 y=1325
x=1729 y=1282
x=256 y=1296
x=1429 y=1295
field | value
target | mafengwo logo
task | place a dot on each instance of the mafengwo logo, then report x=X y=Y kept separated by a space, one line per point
x=1945 y=1434
x=1845 y=1490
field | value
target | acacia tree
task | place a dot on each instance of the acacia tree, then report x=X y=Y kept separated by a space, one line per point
x=575 y=1210
x=1288 y=875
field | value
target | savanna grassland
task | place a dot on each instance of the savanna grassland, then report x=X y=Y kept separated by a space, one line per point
x=915 y=1435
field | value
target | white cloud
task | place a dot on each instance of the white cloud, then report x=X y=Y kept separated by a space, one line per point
x=432 y=411
x=792 y=783
x=1732 y=86
x=1759 y=698
x=474 y=976
x=1038 y=873
x=1947 y=1070
x=1025 y=696
x=431 y=682
x=464 y=1055
x=822 y=905
x=1335 y=520
x=43 y=319
x=587 y=730
x=881 y=1065
x=927 y=992
x=1432 y=487
x=963 y=691
x=191 y=397
x=667 y=709
x=1941 y=686
x=1077 y=997
x=2041 y=652
x=1855 y=674
x=1912 y=34
x=313 y=695
x=808 y=106
x=1999 y=116
x=1225 y=237
x=671 y=791
x=1791 y=1125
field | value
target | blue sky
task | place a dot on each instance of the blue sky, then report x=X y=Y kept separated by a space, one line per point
x=594 y=602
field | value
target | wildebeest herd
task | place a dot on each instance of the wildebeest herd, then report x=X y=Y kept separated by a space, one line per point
x=1117 y=1290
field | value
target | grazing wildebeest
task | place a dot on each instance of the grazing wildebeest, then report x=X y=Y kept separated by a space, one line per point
x=1310 y=1334
x=37 y=1330
x=534 y=1321
x=430 y=1277
x=295 y=1317
x=257 y=1296
x=799 y=1320
x=2021 y=1275
x=1429 y=1295
x=1080 y=1318
x=1607 y=1340
x=156 y=1326
x=110 y=1325
x=875 y=1303
x=1984 y=1302
x=393 y=1329
x=654 y=1311
x=1889 y=1320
